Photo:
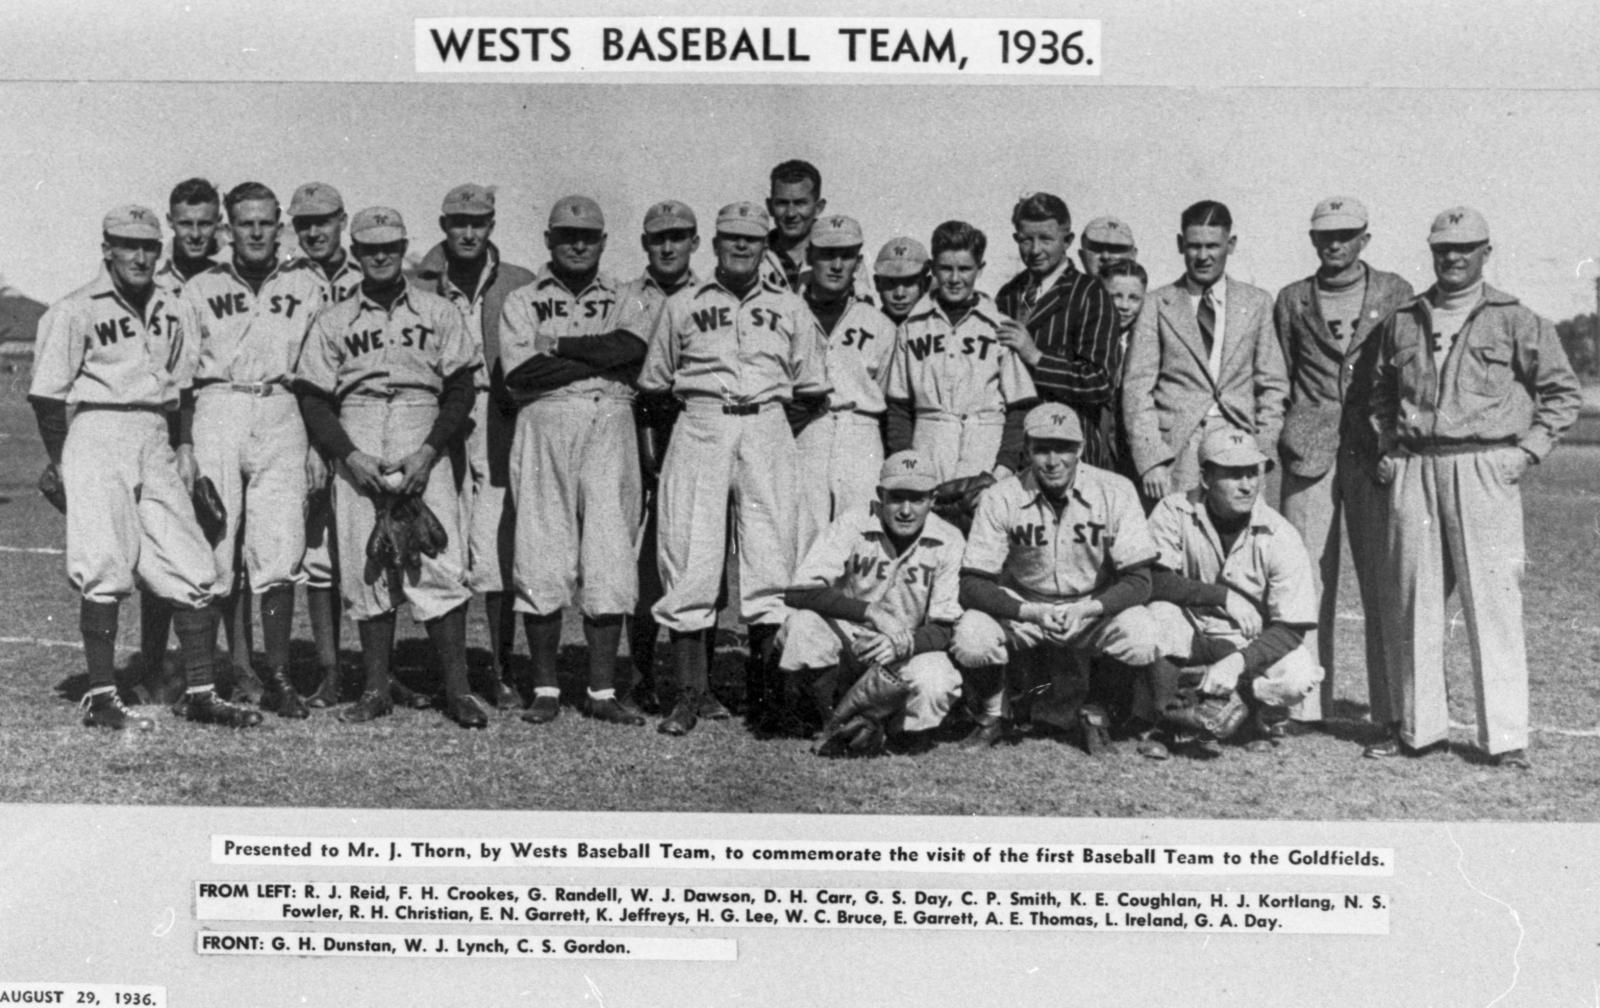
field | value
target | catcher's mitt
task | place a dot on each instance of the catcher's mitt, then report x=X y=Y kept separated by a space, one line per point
x=956 y=500
x=54 y=490
x=1211 y=717
x=209 y=510
x=856 y=725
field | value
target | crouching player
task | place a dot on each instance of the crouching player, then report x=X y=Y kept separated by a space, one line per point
x=878 y=592
x=1232 y=598
x=1057 y=569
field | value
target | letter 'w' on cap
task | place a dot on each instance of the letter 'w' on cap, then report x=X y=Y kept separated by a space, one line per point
x=907 y=470
x=377 y=226
x=744 y=218
x=577 y=212
x=1459 y=226
x=1339 y=213
x=900 y=257
x=469 y=199
x=132 y=221
x=1053 y=421
x=315 y=199
x=1230 y=446
x=669 y=215
x=836 y=232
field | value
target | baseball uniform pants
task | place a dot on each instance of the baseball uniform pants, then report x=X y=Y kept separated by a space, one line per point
x=1456 y=522
x=389 y=430
x=839 y=455
x=981 y=641
x=714 y=455
x=253 y=447
x=1344 y=495
x=489 y=527
x=1286 y=683
x=576 y=492
x=958 y=445
x=129 y=518
x=812 y=641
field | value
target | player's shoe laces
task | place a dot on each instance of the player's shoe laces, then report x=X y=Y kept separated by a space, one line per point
x=208 y=708
x=105 y=710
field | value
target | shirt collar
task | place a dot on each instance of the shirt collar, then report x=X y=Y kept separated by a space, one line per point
x=1193 y=503
x=366 y=301
x=1036 y=494
x=935 y=531
x=984 y=308
x=690 y=281
x=547 y=278
x=1219 y=290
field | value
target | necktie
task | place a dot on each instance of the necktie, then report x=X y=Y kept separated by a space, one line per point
x=1030 y=294
x=1206 y=317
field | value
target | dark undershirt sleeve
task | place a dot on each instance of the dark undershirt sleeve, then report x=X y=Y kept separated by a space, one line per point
x=1276 y=641
x=180 y=422
x=1170 y=586
x=538 y=375
x=1010 y=453
x=455 y=408
x=1131 y=588
x=900 y=421
x=932 y=637
x=321 y=416
x=980 y=591
x=618 y=349
x=830 y=602
x=51 y=416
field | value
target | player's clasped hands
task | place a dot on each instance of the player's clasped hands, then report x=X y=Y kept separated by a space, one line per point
x=413 y=470
x=366 y=472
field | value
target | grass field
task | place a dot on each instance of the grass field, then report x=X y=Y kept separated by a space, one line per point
x=420 y=760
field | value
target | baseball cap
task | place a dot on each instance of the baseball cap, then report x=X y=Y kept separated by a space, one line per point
x=1339 y=213
x=1230 y=446
x=1458 y=226
x=1053 y=420
x=667 y=215
x=744 y=218
x=836 y=232
x=315 y=199
x=132 y=221
x=907 y=470
x=377 y=226
x=469 y=198
x=900 y=257
x=579 y=212
x=1108 y=231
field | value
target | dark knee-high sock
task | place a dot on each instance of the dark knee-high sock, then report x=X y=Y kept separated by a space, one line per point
x=155 y=625
x=197 y=641
x=377 y=644
x=322 y=605
x=544 y=646
x=98 y=621
x=603 y=634
x=277 y=620
x=448 y=635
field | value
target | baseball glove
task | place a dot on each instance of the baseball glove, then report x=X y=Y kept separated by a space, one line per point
x=209 y=510
x=54 y=490
x=1211 y=717
x=856 y=725
x=380 y=544
x=956 y=500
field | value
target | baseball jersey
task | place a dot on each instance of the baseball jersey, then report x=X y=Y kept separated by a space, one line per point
x=169 y=280
x=961 y=369
x=1268 y=563
x=342 y=284
x=357 y=344
x=252 y=336
x=709 y=343
x=470 y=304
x=644 y=288
x=537 y=315
x=921 y=585
x=1043 y=557
x=93 y=347
x=860 y=353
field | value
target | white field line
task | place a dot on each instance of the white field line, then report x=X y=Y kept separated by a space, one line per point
x=45 y=550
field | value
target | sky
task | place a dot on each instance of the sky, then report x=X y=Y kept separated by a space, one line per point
x=899 y=157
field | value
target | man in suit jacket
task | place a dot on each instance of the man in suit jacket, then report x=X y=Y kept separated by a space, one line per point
x=1068 y=331
x=1203 y=355
x=1329 y=450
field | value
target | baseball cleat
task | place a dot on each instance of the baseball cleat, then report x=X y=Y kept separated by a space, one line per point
x=281 y=697
x=327 y=694
x=208 y=708
x=370 y=707
x=405 y=696
x=543 y=710
x=1094 y=725
x=983 y=736
x=711 y=709
x=612 y=711
x=247 y=686
x=105 y=710
x=684 y=715
x=469 y=711
x=1515 y=759
x=506 y=696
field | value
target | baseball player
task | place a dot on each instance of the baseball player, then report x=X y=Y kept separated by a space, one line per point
x=386 y=383
x=1066 y=326
x=956 y=393
x=466 y=269
x=1470 y=389
x=570 y=348
x=1234 y=593
x=880 y=587
x=1106 y=240
x=1324 y=323
x=317 y=215
x=671 y=236
x=1056 y=566
x=194 y=210
x=901 y=277
x=118 y=352
x=795 y=203
x=254 y=313
x=841 y=448
x=735 y=349
x=1203 y=355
